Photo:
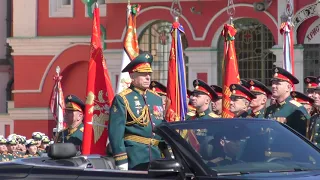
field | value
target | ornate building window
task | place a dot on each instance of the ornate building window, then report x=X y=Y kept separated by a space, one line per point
x=311 y=60
x=253 y=41
x=61 y=8
x=156 y=38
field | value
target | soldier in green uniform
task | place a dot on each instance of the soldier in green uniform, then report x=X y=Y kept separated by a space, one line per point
x=161 y=90
x=44 y=144
x=312 y=83
x=32 y=150
x=134 y=113
x=240 y=100
x=12 y=147
x=74 y=117
x=286 y=110
x=201 y=98
x=21 y=145
x=307 y=102
x=216 y=105
x=258 y=105
x=4 y=157
x=37 y=137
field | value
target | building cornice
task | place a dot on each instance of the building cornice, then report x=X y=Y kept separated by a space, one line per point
x=48 y=46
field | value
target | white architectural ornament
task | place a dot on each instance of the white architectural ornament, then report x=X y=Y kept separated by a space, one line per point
x=61 y=8
x=102 y=8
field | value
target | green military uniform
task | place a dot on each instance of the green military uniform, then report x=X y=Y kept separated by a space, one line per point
x=45 y=140
x=315 y=129
x=12 y=155
x=219 y=91
x=258 y=114
x=304 y=100
x=296 y=116
x=239 y=91
x=133 y=115
x=72 y=134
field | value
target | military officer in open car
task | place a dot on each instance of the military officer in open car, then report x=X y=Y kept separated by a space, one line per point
x=311 y=83
x=161 y=90
x=241 y=98
x=258 y=104
x=74 y=117
x=286 y=110
x=216 y=104
x=133 y=114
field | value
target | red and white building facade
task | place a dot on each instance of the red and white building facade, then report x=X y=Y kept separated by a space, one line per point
x=51 y=33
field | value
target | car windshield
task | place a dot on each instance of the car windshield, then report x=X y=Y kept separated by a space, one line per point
x=246 y=146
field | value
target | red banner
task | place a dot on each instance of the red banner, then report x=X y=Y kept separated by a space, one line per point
x=99 y=96
x=230 y=68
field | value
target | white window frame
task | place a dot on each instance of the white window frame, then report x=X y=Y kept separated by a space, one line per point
x=102 y=7
x=57 y=8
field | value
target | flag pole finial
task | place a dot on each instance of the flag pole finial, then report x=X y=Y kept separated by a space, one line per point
x=58 y=70
x=176 y=19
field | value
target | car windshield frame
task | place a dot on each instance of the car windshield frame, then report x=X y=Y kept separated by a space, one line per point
x=198 y=123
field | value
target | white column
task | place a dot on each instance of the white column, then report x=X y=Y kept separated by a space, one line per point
x=25 y=18
x=113 y=60
x=202 y=60
x=298 y=67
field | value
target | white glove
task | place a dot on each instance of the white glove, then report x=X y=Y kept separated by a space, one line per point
x=123 y=167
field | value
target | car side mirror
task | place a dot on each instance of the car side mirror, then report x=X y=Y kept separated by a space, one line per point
x=163 y=167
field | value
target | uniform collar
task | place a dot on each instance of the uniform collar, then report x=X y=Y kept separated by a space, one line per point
x=72 y=130
x=141 y=92
x=203 y=113
x=289 y=98
x=256 y=114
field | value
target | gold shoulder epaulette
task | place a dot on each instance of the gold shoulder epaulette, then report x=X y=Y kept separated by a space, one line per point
x=213 y=115
x=81 y=129
x=153 y=92
x=296 y=103
x=191 y=113
x=125 y=92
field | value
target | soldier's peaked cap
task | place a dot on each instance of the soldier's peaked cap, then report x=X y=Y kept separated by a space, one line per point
x=239 y=90
x=142 y=63
x=158 y=87
x=259 y=87
x=283 y=75
x=311 y=81
x=203 y=88
x=73 y=103
x=217 y=89
x=245 y=83
x=301 y=98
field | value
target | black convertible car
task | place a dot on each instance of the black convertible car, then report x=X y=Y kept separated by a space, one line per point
x=202 y=149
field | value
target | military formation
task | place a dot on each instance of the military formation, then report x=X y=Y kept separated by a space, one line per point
x=136 y=110
x=17 y=146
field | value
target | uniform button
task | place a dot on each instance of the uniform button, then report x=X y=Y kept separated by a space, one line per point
x=145 y=97
x=316 y=134
x=149 y=105
x=153 y=124
x=315 y=143
x=153 y=134
x=317 y=124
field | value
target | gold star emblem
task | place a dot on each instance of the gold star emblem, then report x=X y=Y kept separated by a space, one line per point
x=251 y=83
x=233 y=87
x=153 y=84
x=135 y=97
x=70 y=97
x=294 y=94
x=276 y=70
x=147 y=56
x=308 y=80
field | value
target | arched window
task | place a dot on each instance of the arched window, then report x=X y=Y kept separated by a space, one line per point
x=156 y=39
x=253 y=42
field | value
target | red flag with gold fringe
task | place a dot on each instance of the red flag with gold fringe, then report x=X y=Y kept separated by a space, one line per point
x=99 y=96
x=230 y=68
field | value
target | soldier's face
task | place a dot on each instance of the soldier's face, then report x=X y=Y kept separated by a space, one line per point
x=141 y=80
x=32 y=149
x=12 y=147
x=217 y=106
x=260 y=100
x=3 y=148
x=72 y=117
x=308 y=107
x=199 y=100
x=238 y=105
x=280 y=88
x=316 y=97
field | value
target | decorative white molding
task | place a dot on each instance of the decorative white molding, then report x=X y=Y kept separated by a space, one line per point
x=61 y=8
x=194 y=37
x=102 y=8
x=43 y=45
x=30 y=114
